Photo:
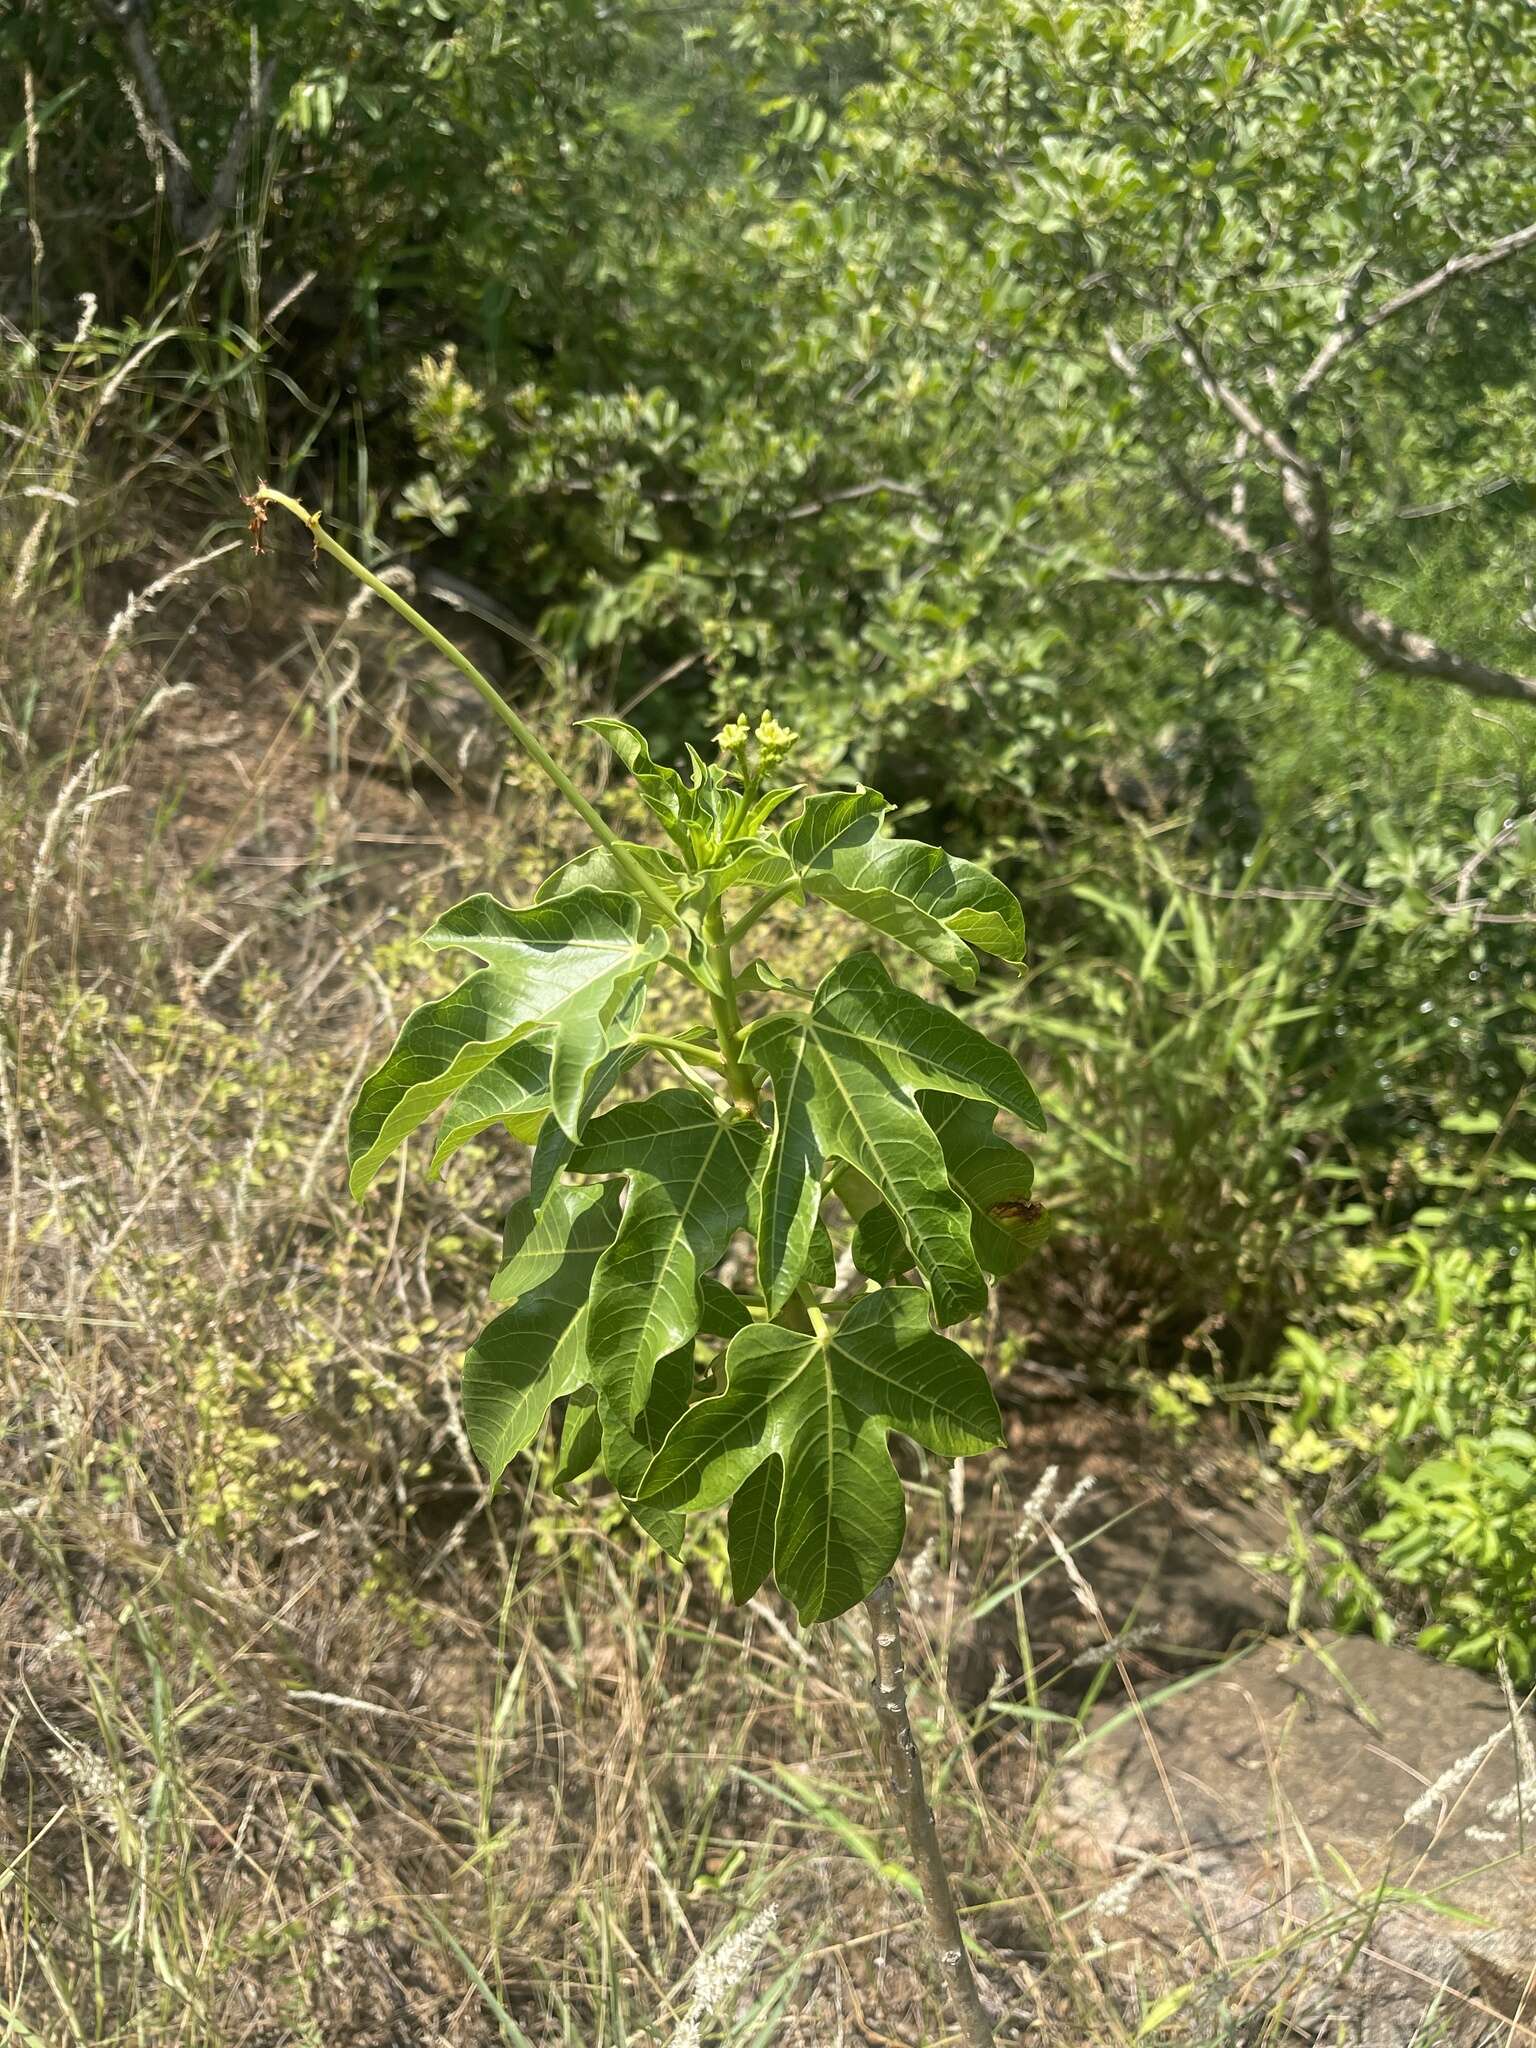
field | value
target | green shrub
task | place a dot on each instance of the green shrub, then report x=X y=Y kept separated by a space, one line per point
x=1416 y=1402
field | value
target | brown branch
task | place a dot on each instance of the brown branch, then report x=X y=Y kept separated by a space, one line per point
x=226 y=180
x=1236 y=406
x=1176 y=579
x=127 y=19
x=1351 y=332
x=1265 y=570
x=1404 y=652
x=1399 y=650
x=855 y=492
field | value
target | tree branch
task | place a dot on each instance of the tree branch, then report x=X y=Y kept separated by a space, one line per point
x=1399 y=650
x=1351 y=332
x=189 y=223
x=226 y=180
x=1176 y=579
x=126 y=19
x=1404 y=652
x=854 y=492
x=1236 y=406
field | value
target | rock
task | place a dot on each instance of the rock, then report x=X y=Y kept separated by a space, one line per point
x=1355 y=1816
x=1166 y=1544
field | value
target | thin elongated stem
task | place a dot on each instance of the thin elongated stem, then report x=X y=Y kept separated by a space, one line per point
x=727 y=1011
x=520 y=730
x=889 y=1695
x=760 y=907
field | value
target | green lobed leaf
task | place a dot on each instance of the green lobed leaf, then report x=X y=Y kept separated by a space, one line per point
x=933 y=904
x=664 y=792
x=555 y=1146
x=844 y=1083
x=690 y=1174
x=879 y=1250
x=926 y=1043
x=721 y=1313
x=995 y=1178
x=535 y=1351
x=749 y=1529
x=822 y=1407
x=561 y=971
x=514 y=1091
x=597 y=868
x=627 y=1447
x=581 y=1437
x=821 y=1257
x=539 y=1350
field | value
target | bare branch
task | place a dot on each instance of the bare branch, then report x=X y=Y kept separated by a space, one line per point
x=127 y=19
x=1301 y=481
x=1351 y=332
x=1406 y=653
x=226 y=181
x=1176 y=579
x=855 y=491
x=1236 y=406
x=1323 y=606
x=1264 y=566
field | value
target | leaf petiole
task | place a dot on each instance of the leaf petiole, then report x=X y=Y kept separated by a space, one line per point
x=760 y=907
x=727 y=1011
x=686 y=1048
x=813 y=1314
x=522 y=732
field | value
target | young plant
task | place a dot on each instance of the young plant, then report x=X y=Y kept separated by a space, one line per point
x=858 y=1106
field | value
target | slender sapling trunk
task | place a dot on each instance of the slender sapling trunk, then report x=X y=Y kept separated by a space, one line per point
x=889 y=1695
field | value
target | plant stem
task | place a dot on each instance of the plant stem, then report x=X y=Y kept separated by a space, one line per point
x=686 y=1048
x=727 y=1011
x=522 y=732
x=889 y=1695
x=756 y=909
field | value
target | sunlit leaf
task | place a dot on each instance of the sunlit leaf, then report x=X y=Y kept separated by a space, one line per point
x=560 y=970
x=995 y=1178
x=536 y=1350
x=844 y=1079
x=690 y=1171
x=927 y=900
x=821 y=1408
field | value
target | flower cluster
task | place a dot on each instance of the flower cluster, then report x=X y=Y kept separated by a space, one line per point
x=775 y=742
